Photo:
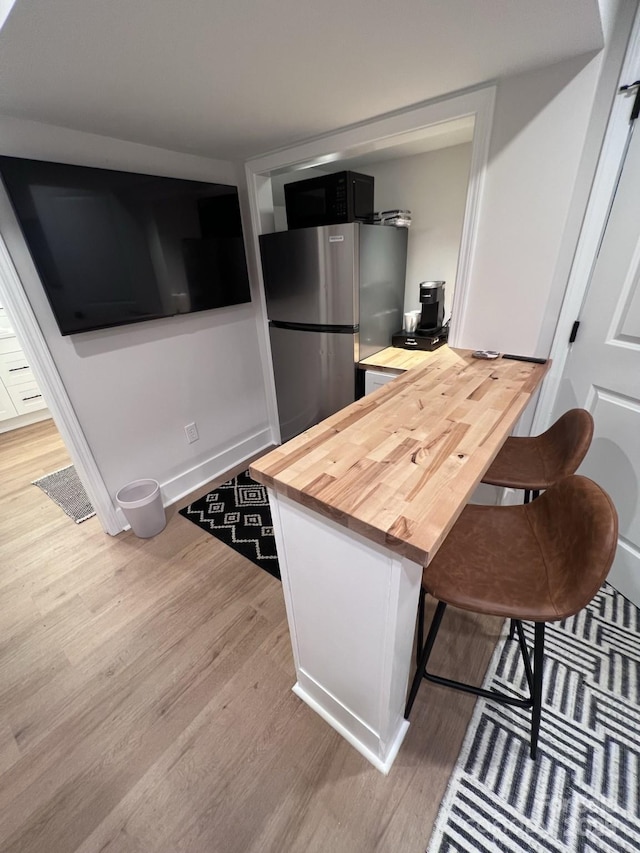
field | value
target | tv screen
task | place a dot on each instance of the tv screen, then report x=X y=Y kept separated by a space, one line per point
x=116 y=247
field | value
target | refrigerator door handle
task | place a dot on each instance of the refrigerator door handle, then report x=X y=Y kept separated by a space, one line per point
x=314 y=327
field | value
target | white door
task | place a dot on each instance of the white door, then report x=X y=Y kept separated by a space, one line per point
x=602 y=373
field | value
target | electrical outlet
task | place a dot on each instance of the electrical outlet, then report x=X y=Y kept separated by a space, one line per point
x=191 y=431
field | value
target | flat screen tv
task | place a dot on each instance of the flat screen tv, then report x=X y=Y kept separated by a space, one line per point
x=116 y=247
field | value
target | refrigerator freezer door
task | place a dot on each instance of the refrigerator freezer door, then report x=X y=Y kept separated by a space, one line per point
x=311 y=274
x=314 y=374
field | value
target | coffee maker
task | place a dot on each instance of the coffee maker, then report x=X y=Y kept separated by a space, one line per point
x=432 y=305
x=429 y=332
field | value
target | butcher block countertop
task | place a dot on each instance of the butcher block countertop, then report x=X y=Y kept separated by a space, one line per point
x=396 y=360
x=399 y=465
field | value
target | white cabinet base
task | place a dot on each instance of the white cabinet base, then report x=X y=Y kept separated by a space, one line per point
x=347 y=733
x=24 y=420
x=351 y=608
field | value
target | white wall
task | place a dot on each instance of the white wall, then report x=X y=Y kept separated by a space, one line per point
x=539 y=132
x=433 y=186
x=135 y=387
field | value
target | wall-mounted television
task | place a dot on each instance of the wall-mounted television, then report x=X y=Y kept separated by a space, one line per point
x=115 y=247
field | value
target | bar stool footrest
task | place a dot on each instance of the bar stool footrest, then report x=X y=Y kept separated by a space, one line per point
x=494 y=695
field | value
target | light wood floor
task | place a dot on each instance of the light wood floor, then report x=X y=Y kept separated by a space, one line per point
x=146 y=704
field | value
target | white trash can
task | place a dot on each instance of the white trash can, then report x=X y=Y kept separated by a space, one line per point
x=141 y=503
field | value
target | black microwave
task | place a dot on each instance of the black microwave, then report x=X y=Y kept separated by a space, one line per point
x=329 y=200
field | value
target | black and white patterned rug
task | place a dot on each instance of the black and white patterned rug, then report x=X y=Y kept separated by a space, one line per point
x=238 y=513
x=583 y=792
x=65 y=489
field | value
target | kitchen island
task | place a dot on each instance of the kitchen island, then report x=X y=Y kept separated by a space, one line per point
x=361 y=502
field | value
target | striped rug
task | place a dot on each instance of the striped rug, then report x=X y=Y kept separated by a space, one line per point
x=583 y=792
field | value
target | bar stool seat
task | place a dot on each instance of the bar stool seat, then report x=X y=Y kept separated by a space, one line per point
x=537 y=462
x=493 y=562
x=539 y=562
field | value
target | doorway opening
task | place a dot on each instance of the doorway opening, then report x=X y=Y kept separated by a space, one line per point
x=390 y=148
x=428 y=177
x=49 y=384
x=30 y=443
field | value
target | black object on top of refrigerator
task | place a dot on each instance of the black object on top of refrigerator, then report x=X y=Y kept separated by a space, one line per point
x=334 y=296
x=330 y=199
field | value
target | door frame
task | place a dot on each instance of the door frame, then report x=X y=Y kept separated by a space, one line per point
x=601 y=197
x=55 y=394
x=363 y=138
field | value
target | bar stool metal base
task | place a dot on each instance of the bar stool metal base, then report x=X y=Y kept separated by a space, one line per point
x=529 y=495
x=533 y=674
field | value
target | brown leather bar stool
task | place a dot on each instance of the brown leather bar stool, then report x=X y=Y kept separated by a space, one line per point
x=540 y=562
x=536 y=463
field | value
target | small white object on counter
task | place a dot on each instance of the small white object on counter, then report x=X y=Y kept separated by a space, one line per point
x=485 y=353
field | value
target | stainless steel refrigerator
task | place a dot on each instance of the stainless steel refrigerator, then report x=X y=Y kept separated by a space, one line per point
x=334 y=296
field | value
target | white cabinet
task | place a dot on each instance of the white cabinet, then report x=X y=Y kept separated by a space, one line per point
x=7 y=409
x=14 y=368
x=19 y=392
x=374 y=379
x=26 y=397
x=5 y=323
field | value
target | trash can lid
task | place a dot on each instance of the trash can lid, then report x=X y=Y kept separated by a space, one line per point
x=137 y=493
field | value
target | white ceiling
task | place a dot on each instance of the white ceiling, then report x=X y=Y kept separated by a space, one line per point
x=237 y=78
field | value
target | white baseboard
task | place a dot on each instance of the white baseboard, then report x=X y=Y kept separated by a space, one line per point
x=347 y=732
x=198 y=476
